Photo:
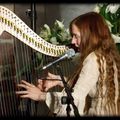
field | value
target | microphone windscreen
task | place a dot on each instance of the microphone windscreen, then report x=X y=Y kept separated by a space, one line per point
x=70 y=53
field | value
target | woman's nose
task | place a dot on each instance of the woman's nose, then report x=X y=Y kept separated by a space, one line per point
x=73 y=40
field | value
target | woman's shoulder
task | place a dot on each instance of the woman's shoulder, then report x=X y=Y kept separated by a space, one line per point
x=91 y=57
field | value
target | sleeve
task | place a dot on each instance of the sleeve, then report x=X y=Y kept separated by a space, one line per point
x=87 y=79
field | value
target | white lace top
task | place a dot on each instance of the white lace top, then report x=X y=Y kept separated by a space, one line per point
x=85 y=85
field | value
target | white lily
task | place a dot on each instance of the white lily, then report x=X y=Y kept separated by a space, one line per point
x=116 y=38
x=59 y=24
x=109 y=24
x=96 y=9
x=53 y=40
x=112 y=8
x=45 y=32
x=47 y=28
x=56 y=35
x=68 y=31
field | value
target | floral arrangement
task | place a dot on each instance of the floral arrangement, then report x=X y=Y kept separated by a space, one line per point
x=57 y=34
x=111 y=13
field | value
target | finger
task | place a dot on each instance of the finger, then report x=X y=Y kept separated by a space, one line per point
x=24 y=96
x=23 y=86
x=50 y=74
x=27 y=83
x=46 y=89
x=21 y=92
x=40 y=81
x=40 y=87
x=53 y=76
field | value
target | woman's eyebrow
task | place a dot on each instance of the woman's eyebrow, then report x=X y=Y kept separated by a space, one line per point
x=74 y=34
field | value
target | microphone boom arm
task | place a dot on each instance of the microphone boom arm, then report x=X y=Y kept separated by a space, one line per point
x=70 y=53
x=48 y=65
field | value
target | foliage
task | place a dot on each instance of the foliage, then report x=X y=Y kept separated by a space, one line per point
x=111 y=12
x=57 y=34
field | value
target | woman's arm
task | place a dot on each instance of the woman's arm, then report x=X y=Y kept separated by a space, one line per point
x=86 y=81
x=51 y=81
x=38 y=92
x=31 y=91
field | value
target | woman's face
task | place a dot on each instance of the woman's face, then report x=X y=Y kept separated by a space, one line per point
x=76 y=39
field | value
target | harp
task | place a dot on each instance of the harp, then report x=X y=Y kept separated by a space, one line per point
x=10 y=59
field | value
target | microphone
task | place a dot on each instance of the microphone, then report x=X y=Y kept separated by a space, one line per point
x=68 y=54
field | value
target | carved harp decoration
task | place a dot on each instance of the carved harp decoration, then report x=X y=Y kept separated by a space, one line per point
x=15 y=26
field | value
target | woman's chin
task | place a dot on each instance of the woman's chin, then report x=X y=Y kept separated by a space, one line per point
x=76 y=48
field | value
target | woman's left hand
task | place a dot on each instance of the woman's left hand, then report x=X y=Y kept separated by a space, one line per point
x=32 y=92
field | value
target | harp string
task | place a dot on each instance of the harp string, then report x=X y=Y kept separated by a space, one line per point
x=7 y=85
x=10 y=23
x=14 y=79
x=2 y=90
x=4 y=86
x=25 y=61
x=17 y=65
x=10 y=81
x=18 y=61
x=5 y=72
x=13 y=87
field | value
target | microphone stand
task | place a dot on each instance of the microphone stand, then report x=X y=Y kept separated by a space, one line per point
x=69 y=96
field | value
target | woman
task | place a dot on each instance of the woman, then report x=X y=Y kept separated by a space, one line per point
x=97 y=76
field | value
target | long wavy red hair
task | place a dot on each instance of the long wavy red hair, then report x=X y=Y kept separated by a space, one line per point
x=96 y=36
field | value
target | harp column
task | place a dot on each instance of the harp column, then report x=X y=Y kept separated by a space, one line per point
x=31 y=13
